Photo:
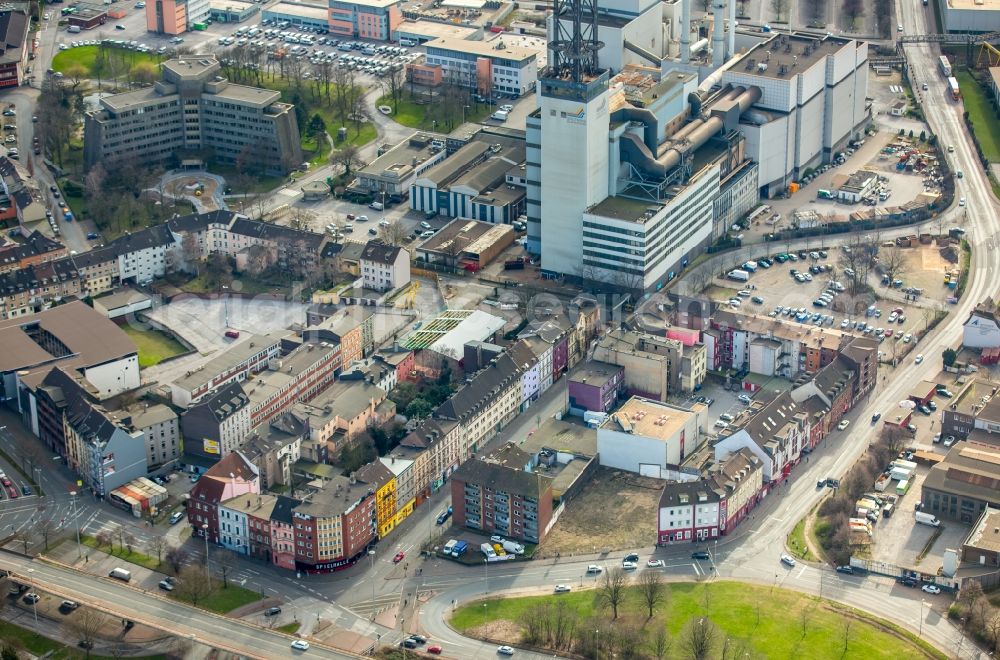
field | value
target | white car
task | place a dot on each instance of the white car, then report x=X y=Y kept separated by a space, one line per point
x=562 y=588
x=844 y=423
x=629 y=565
x=788 y=560
x=961 y=201
x=594 y=569
x=744 y=399
x=383 y=223
x=505 y=650
x=655 y=563
x=300 y=645
x=931 y=589
x=918 y=359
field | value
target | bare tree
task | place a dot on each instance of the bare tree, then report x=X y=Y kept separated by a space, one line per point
x=193 y=584
x=226 y=564
x=104 y=538
x=177 y=556
x=847 y=623
x=805 y=615
x=612 y=591
x=699 y=637
x=734 y=648
x=392 y=85
x=347 y=157
x=85 y=625
x=659 y=644
x=892 y=262
x=158 y=544
x=46 y=529
x=853 y=10
x=128 y=540
x=652 y=590
x=393 y=234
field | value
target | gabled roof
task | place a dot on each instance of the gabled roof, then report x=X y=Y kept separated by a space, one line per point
x=13 y=32
x=226 y=401
x=376 y=250
x=689 y=493
x=283 y=507
x=374 y=474
x=482 y=390
x=201 y=221
x=275 y=233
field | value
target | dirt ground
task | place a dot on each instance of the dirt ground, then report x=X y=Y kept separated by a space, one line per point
x=615 y=511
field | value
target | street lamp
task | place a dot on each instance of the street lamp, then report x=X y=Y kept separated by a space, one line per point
x=922 y=604
x=371 y=563
x=486 y=570
x=225 y=302
x=34 y=601
x=464 y=108
x=76 y=520
x=208 y=570
x=597 y=643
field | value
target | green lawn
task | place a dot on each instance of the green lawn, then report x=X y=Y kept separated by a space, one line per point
x=118 y=62
x=154 y=346
x=133 y=557
x=290 y=628
x=40 y=646
x=796 y=542
x=422 y=116
x=242 y=284
x=225 y=600
x=981 y=114
x=769 y=620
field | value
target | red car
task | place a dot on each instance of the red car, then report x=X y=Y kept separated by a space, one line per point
x=5 y=481
x=436 y=650
x=12 y=491
x=398 y=558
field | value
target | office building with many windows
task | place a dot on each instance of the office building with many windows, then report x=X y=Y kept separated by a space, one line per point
x=191 y=112
x=488 y=67
x=366 y=19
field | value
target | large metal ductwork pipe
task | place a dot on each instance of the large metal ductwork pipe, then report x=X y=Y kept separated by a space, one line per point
x=713 y=78
x=660 y=165
x=731 y=41
x=685 y=31
x=718 y=32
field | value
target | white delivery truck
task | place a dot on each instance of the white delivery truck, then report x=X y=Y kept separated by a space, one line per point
x=738 y=275
x=499 y=115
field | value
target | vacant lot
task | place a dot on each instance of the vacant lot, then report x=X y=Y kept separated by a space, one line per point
x=100 y=62
x=615 y=511
x=154 y=346
x=757 y=620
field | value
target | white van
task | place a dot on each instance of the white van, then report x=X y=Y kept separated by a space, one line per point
x=377 y=206
x=75 y=29
x=499 y=115
x=407 y=42
x=120 y=574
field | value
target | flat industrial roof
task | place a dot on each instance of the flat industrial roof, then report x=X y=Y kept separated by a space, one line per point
x=978 y=5
x=128 y=99
x=785 y=55
x=232 y=5
x=483 y=48
x=650 y=419
x=304 y=11
x=475 y=236
x=246 y=94
x=436 y=30
x=624 y=208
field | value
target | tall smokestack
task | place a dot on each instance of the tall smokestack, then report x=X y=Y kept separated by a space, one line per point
x=718 y=33
x=731 y=47
x=685 y=31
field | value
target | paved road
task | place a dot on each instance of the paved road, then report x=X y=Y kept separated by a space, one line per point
x=123 y=601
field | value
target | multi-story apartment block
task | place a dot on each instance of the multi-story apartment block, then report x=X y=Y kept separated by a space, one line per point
x=101 y=448
x=652 y=364
x=777 y=434
x=275 y=447
x=17 y=46
x=367 y=19
x=383 y=482
x=298 y=376
x=283 y=533
x=384 y=267
x=343 y=412
x=35 y=249
x=483 y=67
x=688 y=512
x=334 y=526
x=738 y=480
x=161 y=428
x=232 y=476
x=596 y=386
x=234 y=534
x=235 y=365
x=194 y=110
x=351 y=329
x=497 y=495
x=217 y=425
x=28 y=290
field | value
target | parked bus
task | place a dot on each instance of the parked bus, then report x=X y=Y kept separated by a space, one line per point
x=945 y=66
x=953 y=86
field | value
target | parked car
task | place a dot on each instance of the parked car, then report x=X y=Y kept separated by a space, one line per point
x=166 y=586
x=176 y=517
x=562 y=588
x=931 y=588
x=844 y=423
x=908 y=582
x=845 y=569
x=435 y=649
x=701 y=554
x=655 y=563
x=788 y=560
x=272 y=611
x=68 y=605
x=300 y=645
x=505 y=650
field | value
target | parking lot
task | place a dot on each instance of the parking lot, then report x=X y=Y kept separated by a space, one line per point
x=790 y=291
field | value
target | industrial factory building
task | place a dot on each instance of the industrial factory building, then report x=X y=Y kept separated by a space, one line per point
x=675 y=151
